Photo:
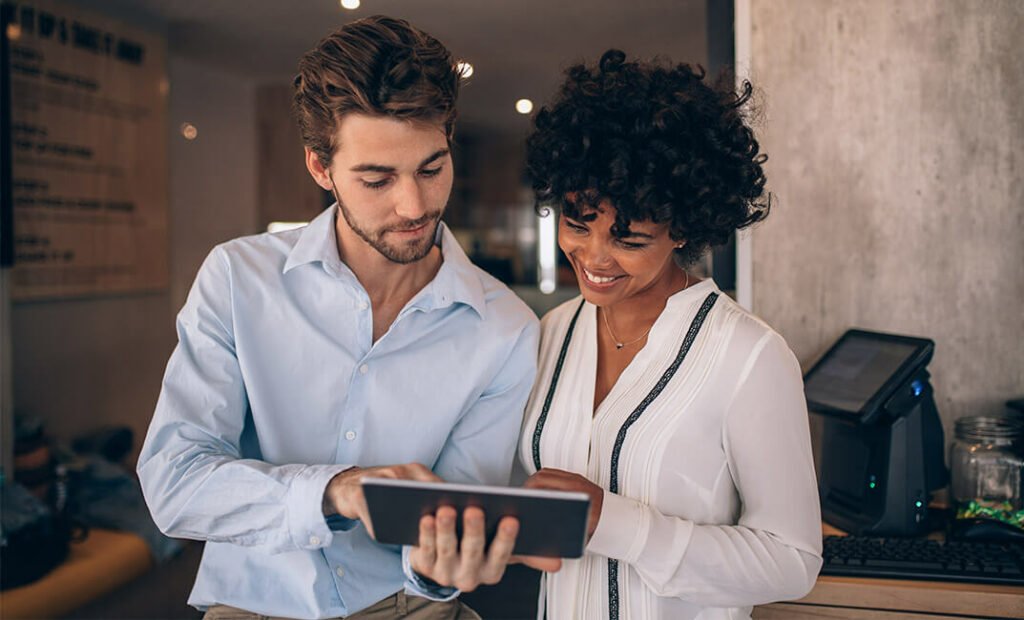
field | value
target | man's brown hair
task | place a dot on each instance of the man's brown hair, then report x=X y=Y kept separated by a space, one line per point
x=380 y=66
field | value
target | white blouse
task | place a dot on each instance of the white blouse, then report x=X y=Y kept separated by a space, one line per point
x=710 y=503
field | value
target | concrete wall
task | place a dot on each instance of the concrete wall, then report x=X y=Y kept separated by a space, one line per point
x=78 y=364
x=895 y=132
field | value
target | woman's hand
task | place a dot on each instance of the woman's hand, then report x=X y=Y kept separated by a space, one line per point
x=560 y=480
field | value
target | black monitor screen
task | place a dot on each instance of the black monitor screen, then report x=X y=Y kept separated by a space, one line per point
x=855 y=370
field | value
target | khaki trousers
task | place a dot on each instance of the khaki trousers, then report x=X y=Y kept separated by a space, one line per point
x=399 y=605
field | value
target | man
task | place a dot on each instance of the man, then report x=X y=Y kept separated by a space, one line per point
x=363 y=344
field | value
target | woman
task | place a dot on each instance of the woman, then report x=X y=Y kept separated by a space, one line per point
x=678 y=412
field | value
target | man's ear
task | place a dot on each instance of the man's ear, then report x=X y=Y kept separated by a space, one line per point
x=317 y=170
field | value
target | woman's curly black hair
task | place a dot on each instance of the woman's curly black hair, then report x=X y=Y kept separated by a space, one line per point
x=655 y=141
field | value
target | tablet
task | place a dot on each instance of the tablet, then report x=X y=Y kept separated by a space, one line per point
x=551 y=523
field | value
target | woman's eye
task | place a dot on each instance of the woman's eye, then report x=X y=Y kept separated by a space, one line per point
x=376 y=184
x=631 y=246
x=575 y=227
x=431 y=172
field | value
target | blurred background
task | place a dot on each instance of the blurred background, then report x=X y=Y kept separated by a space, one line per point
x=894 y=132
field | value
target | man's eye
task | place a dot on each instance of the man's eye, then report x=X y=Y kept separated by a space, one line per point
x=375 y=184
x=574 y=226
x=431 y=172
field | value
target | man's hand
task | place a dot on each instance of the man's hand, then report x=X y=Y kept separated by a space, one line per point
x=344 y=493
x=442 y=558
x=560 y=480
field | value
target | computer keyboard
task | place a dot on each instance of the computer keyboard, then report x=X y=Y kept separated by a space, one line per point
x=924 y=559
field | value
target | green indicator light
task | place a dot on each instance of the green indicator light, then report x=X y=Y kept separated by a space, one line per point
x=872 y=485
x=918 y=504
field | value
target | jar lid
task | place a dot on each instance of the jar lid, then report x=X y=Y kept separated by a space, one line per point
x=990 y=428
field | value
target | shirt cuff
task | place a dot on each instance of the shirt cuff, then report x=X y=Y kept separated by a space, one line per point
x=418 y=586
x=306 y=522
x=621 y=530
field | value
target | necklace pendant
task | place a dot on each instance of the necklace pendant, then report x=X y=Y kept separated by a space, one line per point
x=619 y=345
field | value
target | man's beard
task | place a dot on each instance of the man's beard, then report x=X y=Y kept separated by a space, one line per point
x=402 y=253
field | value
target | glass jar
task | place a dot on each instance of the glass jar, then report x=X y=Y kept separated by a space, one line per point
x=987 y=469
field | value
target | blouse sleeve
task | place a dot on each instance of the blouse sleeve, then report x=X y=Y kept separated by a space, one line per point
x=773 y=552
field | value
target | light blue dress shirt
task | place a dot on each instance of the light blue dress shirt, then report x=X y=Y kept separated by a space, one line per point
x=276 y=385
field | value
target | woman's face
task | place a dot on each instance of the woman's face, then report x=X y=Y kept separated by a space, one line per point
x=609 y=269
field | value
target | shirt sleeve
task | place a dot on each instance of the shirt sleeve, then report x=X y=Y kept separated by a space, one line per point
x=193 y=477
x=481 y=447
x=773 y=552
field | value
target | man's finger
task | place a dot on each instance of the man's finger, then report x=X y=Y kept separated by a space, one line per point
x=420 y=472
x=447 y=546
x=471 y=550
x=501 y=550
x=425 y=553
x=364 y=516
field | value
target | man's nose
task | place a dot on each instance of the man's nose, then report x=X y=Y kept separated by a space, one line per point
x=412 y=203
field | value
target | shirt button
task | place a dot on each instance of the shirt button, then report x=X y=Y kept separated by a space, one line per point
x=340 y=571
x=350 y=435
x=314 y=540
x=364 y=369
x=363 y=306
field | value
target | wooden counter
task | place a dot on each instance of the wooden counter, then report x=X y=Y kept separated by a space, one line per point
x=102 y=562
x=888 y=599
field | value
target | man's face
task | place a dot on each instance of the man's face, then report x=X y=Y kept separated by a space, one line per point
x=392 y=179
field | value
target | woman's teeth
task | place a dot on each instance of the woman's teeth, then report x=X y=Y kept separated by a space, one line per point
x=598 y=279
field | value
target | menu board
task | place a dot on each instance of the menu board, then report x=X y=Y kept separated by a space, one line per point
x=88 y=132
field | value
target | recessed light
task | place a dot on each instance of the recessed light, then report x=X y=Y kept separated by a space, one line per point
x=350 y=4
x=464 y=68
x=189 y=131
x=524 y=106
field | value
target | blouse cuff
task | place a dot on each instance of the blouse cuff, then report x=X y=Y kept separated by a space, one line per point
x=622 y=529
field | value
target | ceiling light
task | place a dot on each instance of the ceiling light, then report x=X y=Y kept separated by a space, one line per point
x=350 y=4
x=524 y=106
x=464 y=68
x=189 y=131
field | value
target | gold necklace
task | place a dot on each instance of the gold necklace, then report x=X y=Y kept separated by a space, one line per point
x=619 y=344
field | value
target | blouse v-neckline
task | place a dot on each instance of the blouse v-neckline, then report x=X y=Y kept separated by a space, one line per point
x=640 y=362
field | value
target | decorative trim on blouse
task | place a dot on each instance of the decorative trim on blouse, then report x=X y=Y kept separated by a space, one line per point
x=542 y=418
x=613 y=486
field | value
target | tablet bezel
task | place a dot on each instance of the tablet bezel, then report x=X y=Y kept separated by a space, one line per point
x=551 y=523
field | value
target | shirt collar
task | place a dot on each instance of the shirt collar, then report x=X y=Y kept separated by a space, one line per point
x=318 y=242
x=457 y=281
